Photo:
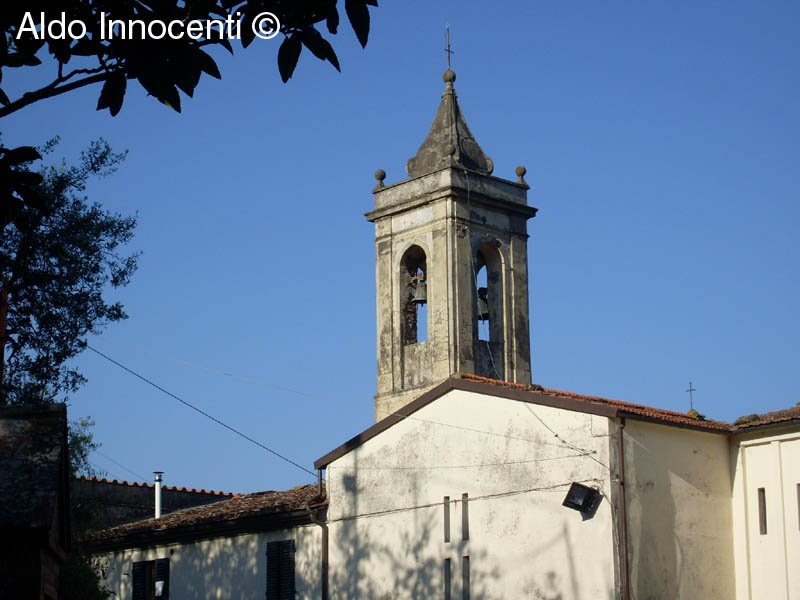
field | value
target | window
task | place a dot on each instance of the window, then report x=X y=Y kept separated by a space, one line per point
x=446 y=504
x=447 y=577
x=464 y=517
x=762 y=511
x=465 y=578
x=151 y=579
x=280 y=570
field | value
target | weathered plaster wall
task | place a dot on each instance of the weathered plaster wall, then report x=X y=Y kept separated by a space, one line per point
x=678 y=487
x=232 y=567
x=768 y=564
x=387 y=514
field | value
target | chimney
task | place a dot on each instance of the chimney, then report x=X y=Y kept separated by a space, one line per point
x=158 y=475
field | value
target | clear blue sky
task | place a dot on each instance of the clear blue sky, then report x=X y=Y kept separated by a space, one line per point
x=662 y=142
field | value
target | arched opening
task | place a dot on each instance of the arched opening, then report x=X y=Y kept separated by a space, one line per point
x=482 y=309
x=488 y=293
x=414 y=296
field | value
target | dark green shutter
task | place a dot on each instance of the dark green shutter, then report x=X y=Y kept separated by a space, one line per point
x=139 y=577
x=280 y=570
x=162 y=574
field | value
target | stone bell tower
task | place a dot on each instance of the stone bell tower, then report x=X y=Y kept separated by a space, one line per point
x=452 y=266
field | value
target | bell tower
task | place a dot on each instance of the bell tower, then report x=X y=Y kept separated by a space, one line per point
x=452 y=266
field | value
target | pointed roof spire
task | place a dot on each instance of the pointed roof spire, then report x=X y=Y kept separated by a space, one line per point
x=449 y=142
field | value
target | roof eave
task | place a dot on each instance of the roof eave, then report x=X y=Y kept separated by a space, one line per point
x=201 y=531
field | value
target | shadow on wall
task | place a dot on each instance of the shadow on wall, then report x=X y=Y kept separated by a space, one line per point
x=234 y=567
x=654 y=568
x=415 y=571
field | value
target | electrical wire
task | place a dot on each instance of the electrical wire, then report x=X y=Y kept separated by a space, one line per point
x=377 y=513
x=470 y=429
x=202 y=412
x=121 y=466
x=473 y=466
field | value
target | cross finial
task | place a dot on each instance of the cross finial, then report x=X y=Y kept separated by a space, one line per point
x=447 y=50
x=691 y=398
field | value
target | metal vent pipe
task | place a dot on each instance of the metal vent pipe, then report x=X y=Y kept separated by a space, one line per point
x=158 y=479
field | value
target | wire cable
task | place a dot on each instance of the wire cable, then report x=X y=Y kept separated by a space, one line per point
x=202 y=412
x=121 y=466
x=549 y=488
x=472 y=466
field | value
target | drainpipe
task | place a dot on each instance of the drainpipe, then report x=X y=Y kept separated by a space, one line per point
x=157 y=489
x=623 y=515
x=323 y=568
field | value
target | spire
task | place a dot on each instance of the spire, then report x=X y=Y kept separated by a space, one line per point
x=449 y=142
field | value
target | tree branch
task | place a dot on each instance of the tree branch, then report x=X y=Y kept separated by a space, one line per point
x=29 y=98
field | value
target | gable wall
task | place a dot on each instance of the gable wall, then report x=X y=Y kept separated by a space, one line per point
x=386 y=512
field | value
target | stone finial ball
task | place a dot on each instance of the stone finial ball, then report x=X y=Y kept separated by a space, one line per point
x=449 y=150
x=449 y=76
x=520 y=171
x=380 y=174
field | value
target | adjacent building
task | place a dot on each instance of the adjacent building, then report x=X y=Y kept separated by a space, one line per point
x=34 y=501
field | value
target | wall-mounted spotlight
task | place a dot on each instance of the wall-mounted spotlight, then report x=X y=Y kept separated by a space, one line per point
x=583 y=498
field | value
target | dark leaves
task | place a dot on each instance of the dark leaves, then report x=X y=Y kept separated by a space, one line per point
x=319 y=46
x=358 y=14
x=207 y=64
x=167 y=67
x=113 y=93
x=288 y=54
x=332 y=20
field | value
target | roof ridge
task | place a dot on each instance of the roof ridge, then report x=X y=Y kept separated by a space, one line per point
x=767 y=418
x=151 y=485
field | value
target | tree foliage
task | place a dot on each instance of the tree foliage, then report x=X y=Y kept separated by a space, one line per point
x=163 y=67
x=60 y=261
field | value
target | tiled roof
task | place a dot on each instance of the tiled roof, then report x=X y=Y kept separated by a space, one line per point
x=770 y=418
x=536 y=394
x=141 y=484
x=656 y=414
x=649 y=412
x=225 y=512
x=33 y=464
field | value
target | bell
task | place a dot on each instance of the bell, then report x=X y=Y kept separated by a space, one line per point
x=483 y=304
x=420 y=292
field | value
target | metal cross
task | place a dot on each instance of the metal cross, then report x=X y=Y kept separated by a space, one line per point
x=691 y=399
x=447 y=39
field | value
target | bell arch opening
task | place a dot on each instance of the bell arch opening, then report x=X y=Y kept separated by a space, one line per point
x=414 y=295
x=488 y=311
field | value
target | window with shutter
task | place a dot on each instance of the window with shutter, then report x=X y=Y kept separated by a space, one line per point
x=161 y=577
x=280 y=570
x=150 y=579
x=139 y=578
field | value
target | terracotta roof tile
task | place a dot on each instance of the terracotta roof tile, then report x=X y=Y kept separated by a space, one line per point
x=240 y=506
x=770 y=418
x=141 y=484
x=649 y=412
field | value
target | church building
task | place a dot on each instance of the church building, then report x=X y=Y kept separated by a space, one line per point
x=473 y=482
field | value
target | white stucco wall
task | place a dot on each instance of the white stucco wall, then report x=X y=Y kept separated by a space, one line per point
x=386 y=504
x=229 y=567
x=767 y=565
x=678 y=487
